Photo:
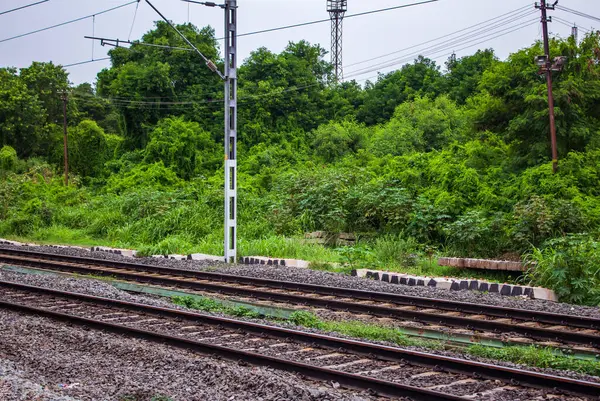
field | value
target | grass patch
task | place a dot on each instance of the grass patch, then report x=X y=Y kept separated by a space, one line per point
x=360 y=330
x=529 y=356
x=381 y=254
x=211 y=305
x=537 y=357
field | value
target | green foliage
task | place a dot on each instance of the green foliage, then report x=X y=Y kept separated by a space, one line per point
x=571 y=267
x=89 y=149
x=418 y=161
x=183 y=147
x=21 y=116
x=305 y=319
x=155 y=176
x=47 y=82
x=212 y=305
x=420 y=79
x=8 y=159
x=335 y=140
x=544 y=358
x=396 y=250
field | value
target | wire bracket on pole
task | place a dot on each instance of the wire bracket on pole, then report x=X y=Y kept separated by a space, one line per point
x=186 y=40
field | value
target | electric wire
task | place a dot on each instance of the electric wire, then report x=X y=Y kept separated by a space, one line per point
x=85 y=62
x=460 y=38
x=22 y=7
x=509 y=15
x=441 y=46
x=570 y=24
x=133 y=22
x=328 y=20
x=579 y=13
x=435 y=51
x=258 y=32
x=521 y=9
x=66 y=22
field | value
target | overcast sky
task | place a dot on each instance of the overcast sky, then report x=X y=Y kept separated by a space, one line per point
x=365 y=37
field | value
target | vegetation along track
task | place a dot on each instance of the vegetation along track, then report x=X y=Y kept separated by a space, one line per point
x=570 y=329
x=386 y=370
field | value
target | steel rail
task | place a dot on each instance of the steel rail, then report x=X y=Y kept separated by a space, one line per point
x=449 y=364
x=345 y=379
x=82 y=265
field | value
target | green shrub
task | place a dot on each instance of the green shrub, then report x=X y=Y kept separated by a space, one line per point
x=8 y=158
x=570 y=266
x=396 y=250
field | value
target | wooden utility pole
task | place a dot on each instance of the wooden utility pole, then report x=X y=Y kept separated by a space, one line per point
x=66 y=145
x=548 y=70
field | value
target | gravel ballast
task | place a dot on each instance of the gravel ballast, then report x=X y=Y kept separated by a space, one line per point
x=62 y=362
x=333 y=279
x=104 y=289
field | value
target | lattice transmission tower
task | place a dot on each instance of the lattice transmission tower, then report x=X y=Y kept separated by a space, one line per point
x=337 y=9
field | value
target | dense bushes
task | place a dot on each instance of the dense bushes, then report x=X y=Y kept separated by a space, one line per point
x=418 y=161
x=571 y=266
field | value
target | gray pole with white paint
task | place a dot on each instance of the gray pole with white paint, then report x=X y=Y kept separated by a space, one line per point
x=230 y=131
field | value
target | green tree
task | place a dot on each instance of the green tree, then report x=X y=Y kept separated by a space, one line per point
x=513 y=99
x=420 y=79
x=148 y=83
x=464 y=74
x=21 y=116
x=8 y=158
x=335 y=140
x=47 y=81
x=183 y=147
x=88 y=149
x=420 y=126
x=282 y=93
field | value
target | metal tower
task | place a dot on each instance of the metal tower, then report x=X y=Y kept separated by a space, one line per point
x=337 y=9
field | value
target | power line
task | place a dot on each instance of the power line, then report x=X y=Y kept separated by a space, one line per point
x=579 y=13
x=434 y=50
x=86 y=62
x=570 y=24
x=440 y=37
x=22 y=7
x=239 y=35
x=133 y=22
x=466 y=38
x=328 y=20
x=67 y=22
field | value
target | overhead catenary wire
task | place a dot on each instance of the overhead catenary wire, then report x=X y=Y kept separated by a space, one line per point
x=22 y=7
x=133 y=22
x=521 y=9
x=502 y=18
x=470 y=37
x=280 y=28
x=441 y=49
x=458 y=40
x=66 y=22
x=193 y=104
x=85 y=62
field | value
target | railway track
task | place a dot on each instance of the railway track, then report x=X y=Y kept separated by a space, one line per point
x=566 y=329
x=388 y=371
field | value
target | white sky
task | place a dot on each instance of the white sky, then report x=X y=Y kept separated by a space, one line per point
x=364 y=37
